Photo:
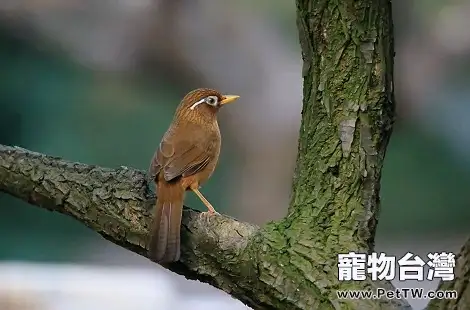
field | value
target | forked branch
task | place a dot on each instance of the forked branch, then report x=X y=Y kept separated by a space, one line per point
x=236 y=257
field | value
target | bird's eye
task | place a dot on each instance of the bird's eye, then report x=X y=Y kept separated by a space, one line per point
x=212 y=100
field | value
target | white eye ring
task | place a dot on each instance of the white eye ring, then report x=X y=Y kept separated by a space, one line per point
x=212 y=100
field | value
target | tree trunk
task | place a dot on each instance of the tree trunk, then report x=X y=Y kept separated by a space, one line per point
x=461 y=284
x=347 y=117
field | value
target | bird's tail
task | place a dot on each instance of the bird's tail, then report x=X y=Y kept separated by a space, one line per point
x=164 y=244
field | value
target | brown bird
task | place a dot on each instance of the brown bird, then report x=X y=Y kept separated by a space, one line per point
x=186 y=158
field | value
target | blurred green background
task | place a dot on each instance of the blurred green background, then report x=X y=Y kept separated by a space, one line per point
x=49 y=104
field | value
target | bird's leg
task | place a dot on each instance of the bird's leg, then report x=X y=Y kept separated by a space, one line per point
x=205 y=202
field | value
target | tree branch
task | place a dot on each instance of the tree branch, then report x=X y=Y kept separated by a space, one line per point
x=233 y=256
x=461 y=284
x=116 y=203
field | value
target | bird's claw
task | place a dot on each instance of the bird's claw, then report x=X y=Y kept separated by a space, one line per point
x=210 y=213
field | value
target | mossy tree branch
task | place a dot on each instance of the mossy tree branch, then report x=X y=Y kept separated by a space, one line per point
x=116 y=203
x=461 y=284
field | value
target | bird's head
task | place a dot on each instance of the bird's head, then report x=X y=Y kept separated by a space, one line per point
x=203 y=102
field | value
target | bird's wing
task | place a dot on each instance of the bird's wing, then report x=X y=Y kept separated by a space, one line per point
x=177 y=156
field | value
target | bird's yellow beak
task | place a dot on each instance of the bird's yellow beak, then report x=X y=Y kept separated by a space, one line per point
x=229 y=99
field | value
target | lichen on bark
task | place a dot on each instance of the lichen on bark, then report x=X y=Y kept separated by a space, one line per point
x=461 y=284
x=347 y=117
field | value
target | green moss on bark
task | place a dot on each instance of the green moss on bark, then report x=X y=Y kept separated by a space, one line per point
x=347 y=117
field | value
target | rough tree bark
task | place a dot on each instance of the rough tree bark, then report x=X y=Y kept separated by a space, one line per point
x=348 y=111
x=461 y=284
